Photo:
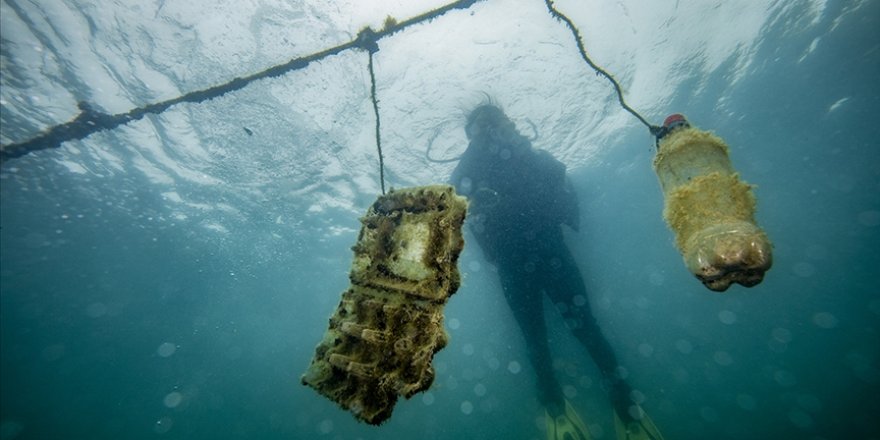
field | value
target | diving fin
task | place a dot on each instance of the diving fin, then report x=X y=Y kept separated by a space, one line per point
x=567 y=426
x=642 y=428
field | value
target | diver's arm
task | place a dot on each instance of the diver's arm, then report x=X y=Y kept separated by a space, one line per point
x=476 y=218
x=561 y=197
x=483 y=241
x=463 y=170
x=571 y=214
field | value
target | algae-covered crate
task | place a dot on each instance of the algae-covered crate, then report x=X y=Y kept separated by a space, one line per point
x=389 y=324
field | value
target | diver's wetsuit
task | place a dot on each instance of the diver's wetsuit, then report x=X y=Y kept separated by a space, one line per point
x=519 y=198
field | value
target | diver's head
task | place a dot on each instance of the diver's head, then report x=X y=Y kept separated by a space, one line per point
x=487 y=120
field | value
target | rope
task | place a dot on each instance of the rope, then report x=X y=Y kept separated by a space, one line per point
x=431 y=145
x=367 y=36
x=600 y=71
x=90 y=121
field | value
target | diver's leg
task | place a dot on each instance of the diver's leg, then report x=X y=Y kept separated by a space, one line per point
x=567 y=290
x=526 y=302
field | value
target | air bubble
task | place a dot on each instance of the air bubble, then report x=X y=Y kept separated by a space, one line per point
x=96 y=310
x=684 y=346
x=637 y=397
x=636 y=412
x=480 y=390
x=467 y=349
x=709 y=414
x=163 y=425
x=234 y=353
x=326 y=426
x=585 y=382
x=784 y=378
x=467 y=407
x=493 y=363
x=869 y=218
x=722 y=358
x=810 y=403
x=172 y=399
x=779 y=341
x=166 y=349
x=9 y=429
x=465 y=185
x=803 y=269
x=800 y=419
x=825 y=320
x=53 y=352
x=514 y=367
x=428 y=398
x=782 y=335
x=746 y=402
x=727 y=317
x=682 y=376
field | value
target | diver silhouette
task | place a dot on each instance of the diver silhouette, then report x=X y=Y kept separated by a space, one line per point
x=519 y=198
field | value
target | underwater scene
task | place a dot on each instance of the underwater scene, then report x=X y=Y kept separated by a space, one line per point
x=496 y=219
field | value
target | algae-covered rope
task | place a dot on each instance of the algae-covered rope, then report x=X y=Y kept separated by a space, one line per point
x=577 y=37
x=368 y=42
x=90 y=121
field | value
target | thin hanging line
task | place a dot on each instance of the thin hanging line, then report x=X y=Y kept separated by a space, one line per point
x=376 y=111
x=599 y=70
x=431 y=145
x=90 y=120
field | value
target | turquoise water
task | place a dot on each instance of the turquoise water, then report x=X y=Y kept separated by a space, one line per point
x=170 y=278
